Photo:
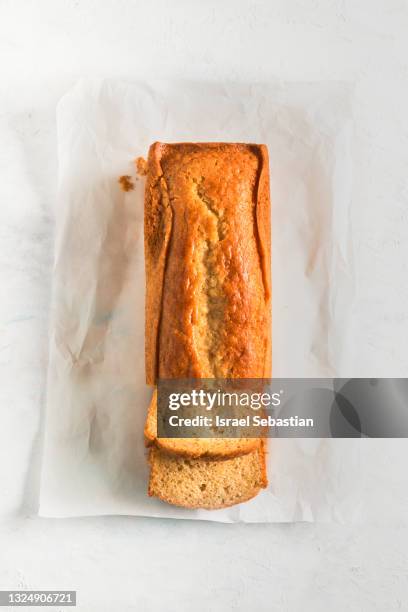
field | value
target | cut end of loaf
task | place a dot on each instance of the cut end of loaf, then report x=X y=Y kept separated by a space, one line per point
x=206 y=483
x=220 y=448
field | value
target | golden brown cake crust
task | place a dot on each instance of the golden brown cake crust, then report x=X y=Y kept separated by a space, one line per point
x=207 y=249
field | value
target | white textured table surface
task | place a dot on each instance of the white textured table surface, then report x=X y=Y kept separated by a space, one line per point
x=120 y=564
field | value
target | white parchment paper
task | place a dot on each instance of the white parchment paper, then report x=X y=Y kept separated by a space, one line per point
x=94 y=456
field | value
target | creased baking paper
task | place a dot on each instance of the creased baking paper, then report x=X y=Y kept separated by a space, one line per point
x=94 y=455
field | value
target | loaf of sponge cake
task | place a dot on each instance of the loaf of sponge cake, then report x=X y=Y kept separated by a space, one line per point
x=208 y=300
x=207 y=251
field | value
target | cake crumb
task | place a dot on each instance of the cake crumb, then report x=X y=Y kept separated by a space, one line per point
x=126 y=183
x=141 y=166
